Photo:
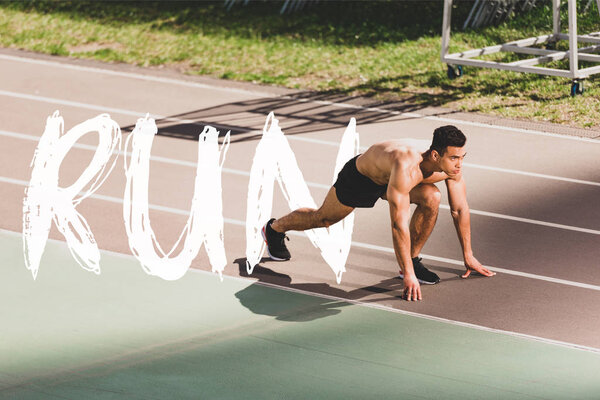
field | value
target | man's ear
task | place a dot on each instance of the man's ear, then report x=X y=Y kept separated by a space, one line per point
x=435 y=155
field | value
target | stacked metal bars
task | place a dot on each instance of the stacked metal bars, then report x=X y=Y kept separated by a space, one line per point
x=488 y=12
x=523 y=46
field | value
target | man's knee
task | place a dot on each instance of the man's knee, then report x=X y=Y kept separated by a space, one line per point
x=431 y=196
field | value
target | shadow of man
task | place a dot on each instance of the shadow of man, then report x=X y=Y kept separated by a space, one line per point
x=299 y=307
x=262 y=299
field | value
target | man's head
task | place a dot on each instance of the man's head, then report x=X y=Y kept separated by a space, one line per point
x=447 y=148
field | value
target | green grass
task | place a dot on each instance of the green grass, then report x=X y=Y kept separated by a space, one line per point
x=388 y=50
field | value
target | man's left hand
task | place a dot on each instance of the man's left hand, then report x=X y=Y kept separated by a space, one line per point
x=472 y=264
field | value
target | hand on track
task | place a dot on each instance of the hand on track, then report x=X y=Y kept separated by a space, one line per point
x=472 y=264
x=412 y=289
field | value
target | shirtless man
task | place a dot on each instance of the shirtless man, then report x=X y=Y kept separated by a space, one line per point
x=401 y=174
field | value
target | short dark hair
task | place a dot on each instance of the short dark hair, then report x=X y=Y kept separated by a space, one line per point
x=445 y=136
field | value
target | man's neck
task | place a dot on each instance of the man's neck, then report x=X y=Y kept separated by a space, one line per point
x=428 y=166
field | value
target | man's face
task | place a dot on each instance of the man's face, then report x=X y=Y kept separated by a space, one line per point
x=452 y=160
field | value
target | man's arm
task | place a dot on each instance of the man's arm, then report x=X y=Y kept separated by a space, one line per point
x=399 y=200
x=459 y=208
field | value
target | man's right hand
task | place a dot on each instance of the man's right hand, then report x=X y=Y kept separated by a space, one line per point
x=412 y=289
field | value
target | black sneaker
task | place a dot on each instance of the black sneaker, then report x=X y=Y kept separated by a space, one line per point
x=424 y=275
x=275 y=242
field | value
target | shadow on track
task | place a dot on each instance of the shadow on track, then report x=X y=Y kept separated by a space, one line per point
x=300 y=113
x=299 y=307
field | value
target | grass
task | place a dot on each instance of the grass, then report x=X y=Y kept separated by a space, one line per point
x=388 y=50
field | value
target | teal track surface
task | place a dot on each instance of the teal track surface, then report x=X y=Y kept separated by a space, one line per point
x=123 y=334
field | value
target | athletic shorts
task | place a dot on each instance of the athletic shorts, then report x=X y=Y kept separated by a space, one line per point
x=353 y=189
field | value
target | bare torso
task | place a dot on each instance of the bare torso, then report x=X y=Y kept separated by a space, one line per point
x=378 y=161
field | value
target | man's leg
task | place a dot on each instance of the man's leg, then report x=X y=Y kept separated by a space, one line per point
x=427 y=197
x=302 y=219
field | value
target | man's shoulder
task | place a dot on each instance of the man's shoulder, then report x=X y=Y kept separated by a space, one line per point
x=405 y=168
x=418 y=145
x=406 y=157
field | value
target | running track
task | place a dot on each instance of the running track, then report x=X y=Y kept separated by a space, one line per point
x=533 y=195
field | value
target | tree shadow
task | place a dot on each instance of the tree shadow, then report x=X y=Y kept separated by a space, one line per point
x=439 y=90
x=307 y=111
x=358 y=23
x=302 y=112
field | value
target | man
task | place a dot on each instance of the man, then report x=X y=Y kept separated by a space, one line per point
x=400 y=173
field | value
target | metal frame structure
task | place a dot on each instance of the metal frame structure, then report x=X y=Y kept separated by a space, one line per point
x=524 y=46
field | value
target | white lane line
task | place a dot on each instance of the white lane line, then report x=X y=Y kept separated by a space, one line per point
x=444 y=119
x=296 y=138
x=134 y=75
x=382 y=307
x=383 y=249
x=495 y=269
x=165 y=160
x=293 y=138
x=532 y=174
x=529 y=221
x=300 y=100
x=470 y=165
x=77 y=104
x=315 y=185
x=87 y=106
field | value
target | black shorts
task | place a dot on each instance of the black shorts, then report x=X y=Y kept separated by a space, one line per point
x=353 y=189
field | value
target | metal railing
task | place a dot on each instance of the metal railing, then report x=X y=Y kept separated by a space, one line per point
x=525 y=46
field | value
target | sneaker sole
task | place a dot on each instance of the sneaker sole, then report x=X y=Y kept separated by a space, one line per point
x=264 y=236
x=422 y=281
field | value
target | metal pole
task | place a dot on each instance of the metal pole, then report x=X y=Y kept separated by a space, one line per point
x=573 y=59
x=466 y=24
x=446 y=28
x=556 y=16
x=478 y=19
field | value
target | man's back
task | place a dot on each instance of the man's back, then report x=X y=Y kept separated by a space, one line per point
x=378 y=161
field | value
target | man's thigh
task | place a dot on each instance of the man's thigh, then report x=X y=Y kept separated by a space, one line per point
x=332 y=210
